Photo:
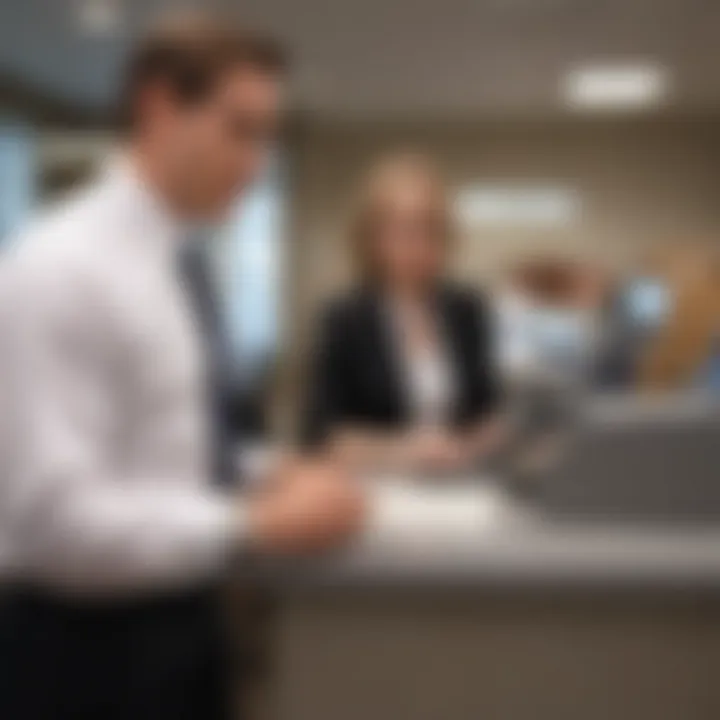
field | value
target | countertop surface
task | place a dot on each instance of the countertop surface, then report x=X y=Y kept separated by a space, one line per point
x=472 y=533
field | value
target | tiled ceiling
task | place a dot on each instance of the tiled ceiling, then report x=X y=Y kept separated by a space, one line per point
x=385 y=58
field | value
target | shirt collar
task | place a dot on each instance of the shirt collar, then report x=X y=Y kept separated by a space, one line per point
x=141 y=209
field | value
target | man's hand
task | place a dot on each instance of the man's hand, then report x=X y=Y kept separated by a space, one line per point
x=310 y=506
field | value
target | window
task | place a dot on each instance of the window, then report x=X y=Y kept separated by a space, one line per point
x=253 y=276
x=17 y=175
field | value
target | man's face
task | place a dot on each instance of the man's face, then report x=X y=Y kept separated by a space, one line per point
x=217 y=147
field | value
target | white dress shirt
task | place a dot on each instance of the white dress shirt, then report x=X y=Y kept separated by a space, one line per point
x=106 y=484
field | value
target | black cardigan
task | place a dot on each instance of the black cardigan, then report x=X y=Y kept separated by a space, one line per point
x=354 y=377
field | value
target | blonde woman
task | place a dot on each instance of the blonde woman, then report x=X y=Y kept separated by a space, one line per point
x=401 y=376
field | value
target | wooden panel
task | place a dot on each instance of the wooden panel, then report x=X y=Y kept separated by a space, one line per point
x=350 y=657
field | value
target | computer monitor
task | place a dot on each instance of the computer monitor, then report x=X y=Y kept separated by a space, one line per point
x=635 y=458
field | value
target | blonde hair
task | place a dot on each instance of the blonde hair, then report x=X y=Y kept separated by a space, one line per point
x=693 y=274
x=376 y=193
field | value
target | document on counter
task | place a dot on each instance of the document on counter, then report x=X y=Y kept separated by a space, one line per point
x=405 y=514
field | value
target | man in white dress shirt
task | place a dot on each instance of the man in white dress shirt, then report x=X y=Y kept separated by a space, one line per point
x=110 y=520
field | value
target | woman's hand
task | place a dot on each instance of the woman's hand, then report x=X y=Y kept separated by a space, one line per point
x=487 y=437
x=425 y=450
x=436 y=450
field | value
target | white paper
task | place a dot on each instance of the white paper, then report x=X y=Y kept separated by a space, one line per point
x=407 y=514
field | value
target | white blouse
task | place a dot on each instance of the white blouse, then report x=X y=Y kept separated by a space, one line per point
x=427 y=374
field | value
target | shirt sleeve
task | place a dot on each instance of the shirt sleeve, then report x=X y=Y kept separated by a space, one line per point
x=74 y=518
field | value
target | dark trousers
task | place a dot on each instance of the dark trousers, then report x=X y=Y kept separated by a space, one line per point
x=163 y=659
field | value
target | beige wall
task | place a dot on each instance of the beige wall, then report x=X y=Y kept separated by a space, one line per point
x=639 y=182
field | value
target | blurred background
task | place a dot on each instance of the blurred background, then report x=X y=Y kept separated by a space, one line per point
x=581 y=142
x=576 y=136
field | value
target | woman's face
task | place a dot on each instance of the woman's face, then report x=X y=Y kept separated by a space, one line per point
x=410 y=242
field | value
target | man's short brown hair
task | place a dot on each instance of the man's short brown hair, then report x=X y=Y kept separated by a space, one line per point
x=189 y=53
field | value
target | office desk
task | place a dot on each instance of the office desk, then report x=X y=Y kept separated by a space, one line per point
x=522 y=618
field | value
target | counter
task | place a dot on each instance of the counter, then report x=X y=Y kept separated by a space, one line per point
x=481 y=537
x=497 y=611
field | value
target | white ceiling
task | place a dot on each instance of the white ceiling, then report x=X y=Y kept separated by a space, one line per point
x=409 y=58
